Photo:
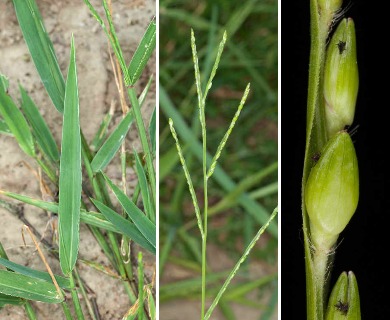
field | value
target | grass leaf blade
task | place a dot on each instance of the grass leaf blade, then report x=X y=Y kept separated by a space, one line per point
x=144 y=225
x=62 y=282
x=143 y=52
x=112 y=144
x=92 y=218
x=5 y=299
x=125 y=226
x=152 y=131
x=144 y=187
x=41 y=50
x=18 y=285
x=16 y=123
x=101 y=134
x=4 y=83
x=142 y=96
x=70 y=173
x=4 y=128
x=39 y=127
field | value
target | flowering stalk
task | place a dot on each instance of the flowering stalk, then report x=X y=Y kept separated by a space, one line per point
x=330 y=184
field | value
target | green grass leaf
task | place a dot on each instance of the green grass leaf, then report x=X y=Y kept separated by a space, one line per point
x=4 y=128
x=143 y=52
x=16 y=122
x=140 y=287
x=4 y=299
x=18 y=285
x=97 y=220
x=142 y=96
x=41 y=50
x=168 y=161
x=70 y=173
x=152 y=131
x=144 y=188
x=111 y=36
x=62 y=282
x=242 y=289
x=92 y=218
x=124 y=226
x=39 y=127
x=4 y=83
x=112 y=144
x=144 y=225
x=151 y=304
x=101 y=134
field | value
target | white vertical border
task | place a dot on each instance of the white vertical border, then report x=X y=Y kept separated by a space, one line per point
x=279 y=160
x=157 y=159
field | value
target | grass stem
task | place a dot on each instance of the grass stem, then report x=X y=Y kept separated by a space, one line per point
x=84 y=294
x=49 y=171
x=65 y=308
x=30 y=311
x=120 y=266
x=144 y=139
x=315 y=140
x=75 y=297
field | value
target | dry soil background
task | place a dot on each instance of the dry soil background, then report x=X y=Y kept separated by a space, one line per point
x=97 y=90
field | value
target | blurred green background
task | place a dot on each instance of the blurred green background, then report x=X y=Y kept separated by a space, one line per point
x=249 y=158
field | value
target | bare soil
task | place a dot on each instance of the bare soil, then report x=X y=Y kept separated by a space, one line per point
x=97 y=91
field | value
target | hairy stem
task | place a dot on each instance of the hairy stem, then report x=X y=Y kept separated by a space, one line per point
x=320 y=24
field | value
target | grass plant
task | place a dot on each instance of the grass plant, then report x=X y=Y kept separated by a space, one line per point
x=76 y=171
x=226 y=188
x=208 y=170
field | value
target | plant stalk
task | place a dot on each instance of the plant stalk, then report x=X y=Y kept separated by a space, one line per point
x=120 y=266
x=205 y=197
x=75 y=297
x=30 y=311
x=144 y=140
x=84 y=294
x=49 y=171
x=65 y=308
x=320 y=24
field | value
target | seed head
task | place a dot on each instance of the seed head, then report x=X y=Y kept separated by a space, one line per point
x=332 y=190
x=344 y=301
x=341 y=79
